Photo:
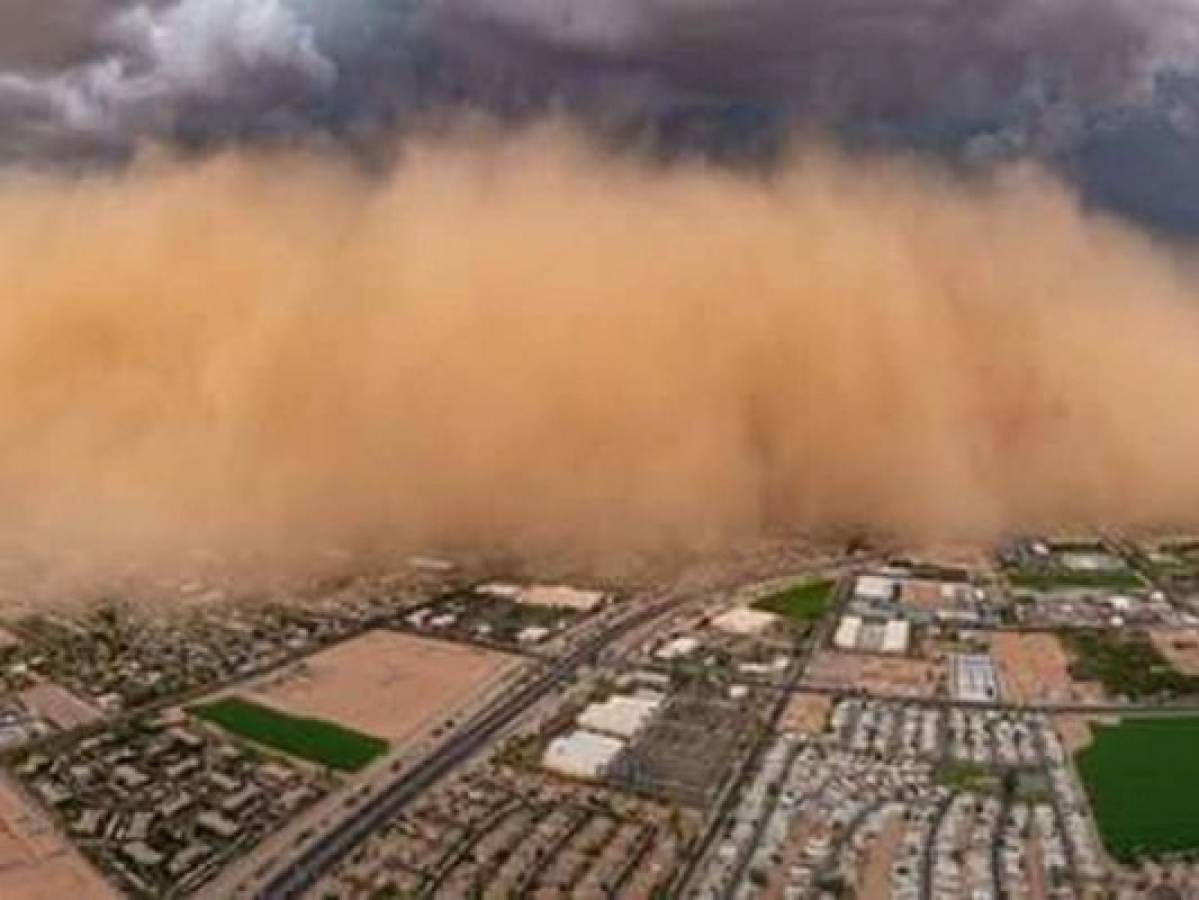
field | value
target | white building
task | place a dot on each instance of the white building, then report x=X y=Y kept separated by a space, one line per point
x=500 y=590
x=975 y=679
x=875 y=588
x=581 y=754
x=621 y=716
x=848 y=630
x=430 y=564
x=896 y=636
x=744 y=621
x=1090 y=561
x=562 y=596
x=679 y=648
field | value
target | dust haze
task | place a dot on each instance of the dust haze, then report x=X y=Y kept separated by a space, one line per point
x=522 y=340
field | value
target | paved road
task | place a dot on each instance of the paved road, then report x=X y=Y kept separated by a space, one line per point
x=1187 y=708
x=730 y=794
x=323 y=854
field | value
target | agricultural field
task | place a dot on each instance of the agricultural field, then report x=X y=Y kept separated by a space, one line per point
x=1172 y=557
x=324 y=743
x=1034 y=668
x=804 y=603
x=1155 y=761
x=1046 y=566
x=1127 y=665
x=963 y=776
x=1067 y=579
x=391 y=685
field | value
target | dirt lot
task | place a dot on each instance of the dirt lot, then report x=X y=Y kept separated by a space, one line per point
x=1075 y=732
x=807 y=713
x=921 y=594
x=36 y=864
x=954 y=555
x=1181 y=648
x=876 y=876
x=885 y=675
x=385 y=684
x=1035 y=668
x=59 y=706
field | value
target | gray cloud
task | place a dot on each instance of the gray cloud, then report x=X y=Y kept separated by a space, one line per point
x=153 y=64
x=979 y=81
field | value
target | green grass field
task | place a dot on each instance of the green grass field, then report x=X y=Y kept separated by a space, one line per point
x=803 y=603
x=1128 y=665
x=968 y=777
x=1143 y=779
x=315 y=740
x=1114 y=580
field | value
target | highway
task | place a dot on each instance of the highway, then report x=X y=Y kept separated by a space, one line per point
x=325 y=852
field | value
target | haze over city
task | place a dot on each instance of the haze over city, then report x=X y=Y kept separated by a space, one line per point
x=527 y=337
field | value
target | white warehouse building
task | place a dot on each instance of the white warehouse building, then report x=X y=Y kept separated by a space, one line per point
x=621 y=716
x=581 y=754
x=848 y=630
x=875 y=588
x=896 y=636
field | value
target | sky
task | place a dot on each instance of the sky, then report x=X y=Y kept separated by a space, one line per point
x=1104 y=91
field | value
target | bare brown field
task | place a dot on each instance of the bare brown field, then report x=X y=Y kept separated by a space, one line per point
x=954 y=555
x=1035 y=668
x=60 y=706
x=876 y=878
x=383 y=683
x=807 y=713
x=921 y=594
x=37 y=864
x=885 y=675
x=1181 y=648
x=1075 y=732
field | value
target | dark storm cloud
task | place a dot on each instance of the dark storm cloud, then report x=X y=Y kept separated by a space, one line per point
x=146 y=69
x=981 y=80
x=873 y=49
x=36 y=35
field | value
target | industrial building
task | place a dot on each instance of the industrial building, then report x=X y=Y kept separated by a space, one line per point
x=975 y=679
x=557 y=596
x=500 y=590
x=744 y=621
x=846 y=637
x=896 y=636
x=563 y=597
x=1090 y=561
x=581 y=754
x=678 y=648
x=621 y=716
x=875 y=588
x=888 y=636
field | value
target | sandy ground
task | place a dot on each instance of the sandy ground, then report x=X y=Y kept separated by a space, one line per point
x=953 y=555
x=807 y=713
x=58 y=705
x=1034 y=668
x=385 y=684
x=876 y=875
x=886 y=675
x=1034 y=866
x=35 y=862
x=1075 y=732
x=925 y=595
x=1181 y=648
